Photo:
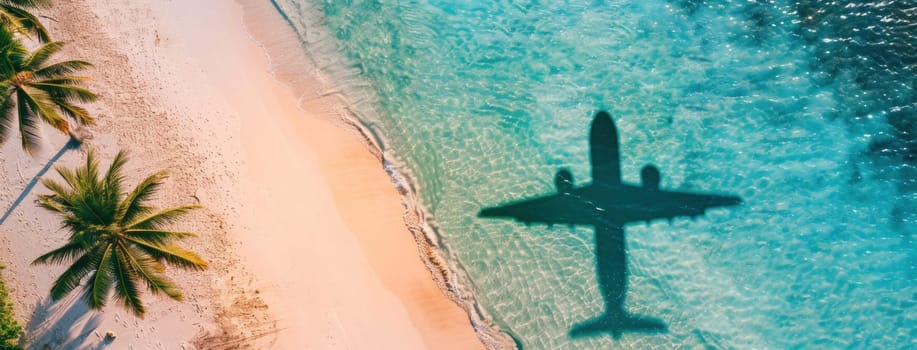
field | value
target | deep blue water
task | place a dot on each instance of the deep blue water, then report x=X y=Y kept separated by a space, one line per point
x=806 y=109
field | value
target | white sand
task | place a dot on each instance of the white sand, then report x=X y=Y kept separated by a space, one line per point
x=302 y=227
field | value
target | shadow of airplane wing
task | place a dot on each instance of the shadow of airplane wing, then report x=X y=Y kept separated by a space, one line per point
x=617 y=205
x=635 y=204
x=560 y=208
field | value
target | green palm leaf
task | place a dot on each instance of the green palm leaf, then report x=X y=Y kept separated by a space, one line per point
x=29 y=3
x=158 y=237
x=172 y=254
x=66 y=92
x=133 y=206
x=112 y=181
x=40 y=103
x=150 y=272
x=7 y=117
x=61 y=70
x=15 y=17
x=28 y=126
x=69 y=252
x=100 y=282
x=80 y=114
x=43 y=53
x=163 y=217
x=126 y=290
x=70 y=279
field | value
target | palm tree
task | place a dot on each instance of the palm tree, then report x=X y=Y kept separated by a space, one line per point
x=33 y=90
x=15 y=17
x=116 y=239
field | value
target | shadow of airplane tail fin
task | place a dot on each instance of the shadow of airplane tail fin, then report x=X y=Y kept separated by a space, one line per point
x=617 y=326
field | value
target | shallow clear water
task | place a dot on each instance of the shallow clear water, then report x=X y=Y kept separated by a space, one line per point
x=806 y=109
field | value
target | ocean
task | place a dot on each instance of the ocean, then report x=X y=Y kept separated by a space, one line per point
x=805 y=109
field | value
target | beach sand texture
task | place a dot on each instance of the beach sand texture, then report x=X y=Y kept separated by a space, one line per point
x=304 y=231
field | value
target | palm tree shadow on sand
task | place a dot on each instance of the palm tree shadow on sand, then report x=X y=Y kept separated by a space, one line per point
x=608 y=204
x=71 y=144
x=66 y=324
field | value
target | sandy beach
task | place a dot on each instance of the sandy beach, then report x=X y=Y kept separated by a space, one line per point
x=304 y=230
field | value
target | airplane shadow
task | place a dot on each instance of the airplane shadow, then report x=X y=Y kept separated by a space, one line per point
x=608 y=204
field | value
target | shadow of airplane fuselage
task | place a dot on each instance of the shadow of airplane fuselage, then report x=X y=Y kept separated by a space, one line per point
x=607 y=204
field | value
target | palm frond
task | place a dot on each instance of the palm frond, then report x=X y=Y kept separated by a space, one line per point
x=70 y=279
x=133 y=205
x=157 y=237
x=62 y=255
x=113 y=178
x=90 y=170
x=65 y=92
x=126 y=290
x=14 y=51
x=42 y=54
x=68 y=175
x=64 y=79
x=58 y=189
x=92 y=202
x=172 y=254
x=10 y=22
x=163 y=217
x=26 y=22
x=30 y=4
x=54 y=203
x=7 y=117
x=62 y=68
x=28 y=127
x=150 y=272
x=99 y=284
x=40 y=102
x=80 y=114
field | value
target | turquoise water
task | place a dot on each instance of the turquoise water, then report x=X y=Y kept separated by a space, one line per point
x=805 y=109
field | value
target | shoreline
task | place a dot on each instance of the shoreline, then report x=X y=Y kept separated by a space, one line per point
x=446 y=274
x=179 y=99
